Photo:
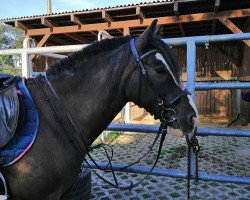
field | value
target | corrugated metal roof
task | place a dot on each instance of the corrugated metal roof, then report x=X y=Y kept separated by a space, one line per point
x=131 y=15
x=89 y=10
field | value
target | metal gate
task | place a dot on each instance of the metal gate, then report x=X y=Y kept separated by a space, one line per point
x=191 y=43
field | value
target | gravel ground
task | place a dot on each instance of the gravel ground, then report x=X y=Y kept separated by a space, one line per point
x=219 y=155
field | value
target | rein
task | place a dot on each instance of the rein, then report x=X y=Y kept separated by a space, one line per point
x=162 y=131
x=193 y=145
x=71 y=129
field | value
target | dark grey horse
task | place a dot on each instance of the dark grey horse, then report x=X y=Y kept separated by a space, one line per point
x=95 y=84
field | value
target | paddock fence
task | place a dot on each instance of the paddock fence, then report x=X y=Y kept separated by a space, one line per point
x=193 y=86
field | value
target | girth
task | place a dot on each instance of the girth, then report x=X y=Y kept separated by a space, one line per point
x=9 y=108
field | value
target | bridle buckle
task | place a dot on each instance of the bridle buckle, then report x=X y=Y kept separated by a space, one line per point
x=168 y=115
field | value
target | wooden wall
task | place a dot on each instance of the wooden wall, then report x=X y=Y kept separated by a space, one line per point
x=215 y=63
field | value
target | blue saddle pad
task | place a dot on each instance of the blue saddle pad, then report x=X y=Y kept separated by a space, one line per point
x=26 y=134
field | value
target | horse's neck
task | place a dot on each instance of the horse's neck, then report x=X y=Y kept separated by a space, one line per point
x=93 y=97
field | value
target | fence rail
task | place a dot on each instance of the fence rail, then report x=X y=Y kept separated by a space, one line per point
x=228 y=132
x=174 y=173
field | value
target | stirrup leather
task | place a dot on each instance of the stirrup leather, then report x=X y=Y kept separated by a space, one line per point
x=5 y=196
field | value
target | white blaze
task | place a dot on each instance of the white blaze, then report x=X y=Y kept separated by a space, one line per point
x=191 y=102
x=160 y=57
x=178 y=132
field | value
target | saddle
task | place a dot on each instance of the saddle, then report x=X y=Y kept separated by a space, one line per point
x=9 y=108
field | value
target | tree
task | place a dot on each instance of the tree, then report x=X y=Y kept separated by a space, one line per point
x=10 y=38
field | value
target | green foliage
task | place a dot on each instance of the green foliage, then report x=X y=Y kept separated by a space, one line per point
x=13 y=71
x=112 y=136
x=6 y=61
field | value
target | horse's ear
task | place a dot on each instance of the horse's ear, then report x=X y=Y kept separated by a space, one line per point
x=157 y=33
x=146 y=36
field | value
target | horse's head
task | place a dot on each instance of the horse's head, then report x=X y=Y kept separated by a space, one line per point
x=155 y=82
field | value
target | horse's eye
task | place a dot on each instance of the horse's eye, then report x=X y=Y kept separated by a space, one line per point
x=159 y=67
x=160 y=70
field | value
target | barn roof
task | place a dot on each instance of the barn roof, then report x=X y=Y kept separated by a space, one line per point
x=178 y=17
x=90 y=10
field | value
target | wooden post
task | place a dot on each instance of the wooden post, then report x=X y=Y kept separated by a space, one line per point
x=127 y=113
x=126 y=31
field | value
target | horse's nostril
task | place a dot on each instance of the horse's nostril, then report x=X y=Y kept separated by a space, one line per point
x=194 y=121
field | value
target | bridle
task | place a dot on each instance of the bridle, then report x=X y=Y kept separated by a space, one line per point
x=167 y=114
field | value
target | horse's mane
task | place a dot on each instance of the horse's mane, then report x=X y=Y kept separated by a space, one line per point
x=68 y=63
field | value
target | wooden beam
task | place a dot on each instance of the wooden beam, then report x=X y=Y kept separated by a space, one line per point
x=43 y=40
x=177 y=13
x=146 y=22
x=120 y=31
x=77 y=37
x=106 y=16
x=92 y=32
x=48 y=23
x=76 y=20
x=59 y=40
x=124 y=16
x=216 y=9
x=176 y=9
x=20 y=25
x=214 y=26
x=232 y=27
x=126 y=31
x=139 y=13
x=182 y=29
